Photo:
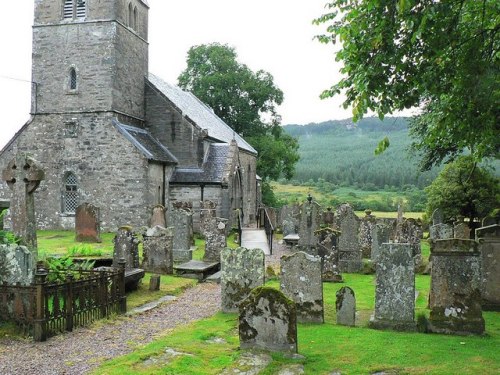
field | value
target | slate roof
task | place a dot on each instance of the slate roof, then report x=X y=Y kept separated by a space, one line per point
x=202 y=115
x=145 y=143
x=212 y=170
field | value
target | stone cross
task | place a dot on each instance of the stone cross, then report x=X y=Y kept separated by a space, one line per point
x=23 y=176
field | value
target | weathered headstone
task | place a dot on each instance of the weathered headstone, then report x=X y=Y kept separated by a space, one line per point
x=158 y=217
x=215 y=239
x=268 y=321
x=16 y=265
x=23 y=176
x=366 y=229
x=87 y=223
x=242 y=270
x=383 y=232
x=301 y=282
x=461 y=229
x=345 y=305
x=437 y=217
x=440 y=232
x=327 y=251
x=290 y=218
x=157 y=254
x=455 y=293
x=489 y=247
x=395 y=289
x=310 y=221
x=411 y=232
x=126 y=246
x=328 y=218
x=207 y=214
x=181 y=220
x=154 y=283
x=350 y=255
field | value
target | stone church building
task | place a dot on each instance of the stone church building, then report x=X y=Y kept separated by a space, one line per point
x=108 y=132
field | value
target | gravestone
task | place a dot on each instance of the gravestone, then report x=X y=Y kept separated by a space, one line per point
x=207 y=214
x=268 y=321
x=350 y=255
x=290 y=217
x=455 y=293
x=437 y=217
x=411 y=232
x=4 y=210
x=242 y=270
x=181 y=220
x=157 y=254
x=158 y=217
x=23 y=176
x=383 y=232
x=488 y=239
x=440 y=232
x=87 y=223
x=327 y=251
x=154 y=283
x=126 y=246
x=461 y=229
x=310 y=220
x=215 y=239
x=328 y=218
x=301 y=282
x=345 y=305
x=16 y=265
x=395 y=289
x=366 y=229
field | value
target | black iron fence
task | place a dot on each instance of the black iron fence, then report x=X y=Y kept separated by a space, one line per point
x=46 y=308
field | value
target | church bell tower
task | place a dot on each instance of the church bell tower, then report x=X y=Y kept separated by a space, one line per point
x=90 y=57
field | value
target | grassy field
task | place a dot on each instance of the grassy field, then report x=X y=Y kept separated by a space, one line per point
x=325 y=348
x=52 y=242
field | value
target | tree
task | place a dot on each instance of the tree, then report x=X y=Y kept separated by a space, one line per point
x=246 y=101
x=442 y=56
x=463 y=189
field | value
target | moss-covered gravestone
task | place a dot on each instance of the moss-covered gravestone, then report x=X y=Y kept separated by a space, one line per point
x=345 y=306
x=455 y=294
x=395 y=289
x=350 y=253
x=242 y=270
x=16 y=265
x=301 y=282
x=158 y=250
x=268 y=321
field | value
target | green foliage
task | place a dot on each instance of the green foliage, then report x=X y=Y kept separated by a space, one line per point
x=441 y=56
x=341 y=153
x=6 y=237
x=84 y=250
x=247 y=101
x=464 y=189
x=59 y=268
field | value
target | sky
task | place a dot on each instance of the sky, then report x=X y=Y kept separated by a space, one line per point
x=273 y=35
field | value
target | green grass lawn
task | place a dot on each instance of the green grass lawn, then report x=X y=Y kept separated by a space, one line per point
x=59 y=242
x=326 y=347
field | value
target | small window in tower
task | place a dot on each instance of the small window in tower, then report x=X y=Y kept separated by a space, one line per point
x=130 y=15
x=73 y=79
x=70 y=194
x=135 y=18
x=68 y=9
x=81 y=10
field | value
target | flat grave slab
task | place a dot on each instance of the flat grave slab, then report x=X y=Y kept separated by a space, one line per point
x=197 y=269
x=291 y=239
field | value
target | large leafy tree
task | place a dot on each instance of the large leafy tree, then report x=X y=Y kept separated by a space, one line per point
x=464 y=189
x=247 y=101
x=442 y=56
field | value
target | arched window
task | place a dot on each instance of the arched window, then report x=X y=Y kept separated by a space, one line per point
x=130 y=15
x=134 y=26
x=73 y=79
x=70 y=194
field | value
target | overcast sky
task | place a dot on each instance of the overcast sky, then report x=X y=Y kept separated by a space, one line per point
x=273 y=35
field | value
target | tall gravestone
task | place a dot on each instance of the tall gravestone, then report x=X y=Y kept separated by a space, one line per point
x=157 y=254
x=488 y=239
x=181 y=220
x=301 y=282
x=242 y=270
x=328 y=252
x=208 y=211
x=395 y=289
x=158 y=217
x=383 y=232
x=310 y=220
x=350 y=255
x=345 y=306
x=87 y=223
x=23 y=176
x=366 y=228
x=268 y=321
x=411 y=232
x=16 y=265
x=440 y=232
x=455 y=293
x=215 y=239
x=461 y=229
x=126 y=246
x=290 y=218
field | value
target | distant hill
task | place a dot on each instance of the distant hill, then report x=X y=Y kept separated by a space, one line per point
x=342 y=153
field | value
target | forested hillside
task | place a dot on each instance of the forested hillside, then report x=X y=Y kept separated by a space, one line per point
x=342 y=153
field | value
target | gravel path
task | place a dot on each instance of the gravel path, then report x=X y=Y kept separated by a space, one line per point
x=84 y=349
